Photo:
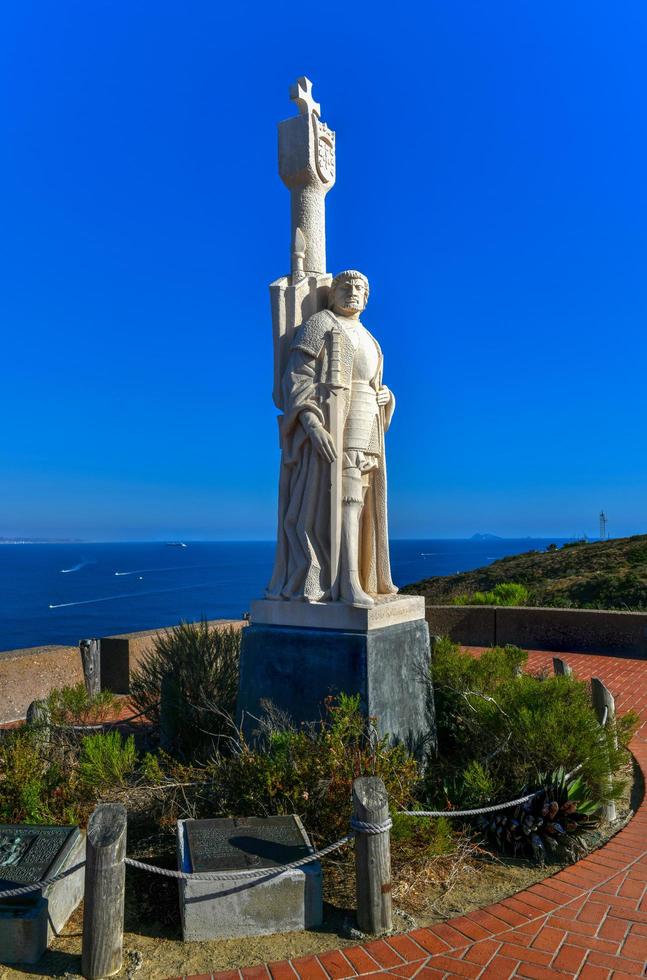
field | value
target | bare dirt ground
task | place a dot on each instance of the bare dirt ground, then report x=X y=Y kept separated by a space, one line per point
x=153 y=949
x=29 y=675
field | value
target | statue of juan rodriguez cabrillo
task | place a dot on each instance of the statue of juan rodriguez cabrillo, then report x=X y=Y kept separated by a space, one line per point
x=332 y=540
x=331 y=619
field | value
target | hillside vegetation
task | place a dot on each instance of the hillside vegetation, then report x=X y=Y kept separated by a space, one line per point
x=580 y=575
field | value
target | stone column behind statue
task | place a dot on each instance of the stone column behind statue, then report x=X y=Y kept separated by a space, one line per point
x=331 y=620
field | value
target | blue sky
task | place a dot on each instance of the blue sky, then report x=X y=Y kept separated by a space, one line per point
x=491 y=183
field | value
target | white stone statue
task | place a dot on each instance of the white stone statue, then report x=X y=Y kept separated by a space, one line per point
x=334 y=423
x=332 y=541
x=331 y=619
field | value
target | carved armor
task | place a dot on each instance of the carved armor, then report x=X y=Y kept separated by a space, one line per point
x=362 y=422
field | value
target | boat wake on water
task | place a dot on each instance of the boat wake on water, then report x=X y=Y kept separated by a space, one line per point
x=77 y=568
x=136 y=595
x=175 y=568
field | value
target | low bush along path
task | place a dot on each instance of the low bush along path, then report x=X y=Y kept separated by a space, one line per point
x=587 y=921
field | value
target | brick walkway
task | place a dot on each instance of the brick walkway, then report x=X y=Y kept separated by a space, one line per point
x=588 y=921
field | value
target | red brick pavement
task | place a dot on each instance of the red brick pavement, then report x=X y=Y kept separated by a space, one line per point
x=588 y=921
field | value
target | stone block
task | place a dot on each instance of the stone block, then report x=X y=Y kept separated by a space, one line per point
x=28 y=923
x=281 y=901
x=389 y=610
x=296 y=669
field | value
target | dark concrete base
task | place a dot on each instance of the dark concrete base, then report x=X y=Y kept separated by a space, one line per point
x=296 y=669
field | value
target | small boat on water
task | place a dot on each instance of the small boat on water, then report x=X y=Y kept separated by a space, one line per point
x=175 y=544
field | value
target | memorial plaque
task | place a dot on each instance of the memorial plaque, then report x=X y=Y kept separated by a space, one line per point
x=245 y=843
x=28 y=854
x=31 y=853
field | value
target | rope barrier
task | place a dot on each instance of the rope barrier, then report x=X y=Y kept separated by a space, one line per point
x=370 y=828
x=357 y=826
x=36 y=886
x=483 y=809
x=236 y=875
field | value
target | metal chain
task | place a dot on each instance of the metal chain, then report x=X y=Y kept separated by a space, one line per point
x=26 y=889
x=235 y=875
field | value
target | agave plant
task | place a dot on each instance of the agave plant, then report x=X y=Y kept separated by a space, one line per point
x=550 y=823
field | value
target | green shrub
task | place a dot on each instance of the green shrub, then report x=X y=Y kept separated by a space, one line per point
x=74 y=706
x=151 y=769
x=503 y=594
x=106 y=760
x=608 y=590
x=203 y=664
x=37 y=783
x=25 y=782
x=499 y=732
x=637 y=555
x=422 y=836
x=310 y=770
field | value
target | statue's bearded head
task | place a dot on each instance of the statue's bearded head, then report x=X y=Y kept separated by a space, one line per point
x=349 y=293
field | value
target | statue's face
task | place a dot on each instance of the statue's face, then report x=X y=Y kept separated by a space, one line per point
x=349 y=298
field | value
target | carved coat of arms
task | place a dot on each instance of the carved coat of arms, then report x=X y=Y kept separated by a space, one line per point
x=324 y=150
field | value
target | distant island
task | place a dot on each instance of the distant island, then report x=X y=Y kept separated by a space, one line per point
x=40 y=540
x=486 y=537
x=578 y=575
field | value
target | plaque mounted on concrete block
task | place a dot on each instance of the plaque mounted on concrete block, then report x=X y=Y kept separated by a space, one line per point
x=28 y=854
x=245 y=843
x=280 y=901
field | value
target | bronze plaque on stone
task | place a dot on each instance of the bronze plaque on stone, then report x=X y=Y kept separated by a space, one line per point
x=31 y=853
x=245 y=843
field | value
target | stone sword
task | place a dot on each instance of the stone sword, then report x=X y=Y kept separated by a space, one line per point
x=336 y=421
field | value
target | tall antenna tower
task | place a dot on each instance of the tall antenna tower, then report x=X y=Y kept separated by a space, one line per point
x=603 y=526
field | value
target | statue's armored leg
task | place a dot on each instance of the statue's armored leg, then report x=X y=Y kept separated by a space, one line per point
x=352 y=502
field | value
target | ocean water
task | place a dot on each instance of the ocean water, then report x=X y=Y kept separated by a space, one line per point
x=60 y=593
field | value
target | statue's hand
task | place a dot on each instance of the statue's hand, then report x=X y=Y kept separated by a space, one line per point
x=384 y=396
x=323 y=443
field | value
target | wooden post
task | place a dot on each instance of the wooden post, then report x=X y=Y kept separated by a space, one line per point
x=561 y=668
x=372 y=856
x=605 y=710
x=38 y=717
x=91 y=659
x=105 y=882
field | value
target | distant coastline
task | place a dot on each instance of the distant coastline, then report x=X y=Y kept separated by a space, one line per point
x=41 y=541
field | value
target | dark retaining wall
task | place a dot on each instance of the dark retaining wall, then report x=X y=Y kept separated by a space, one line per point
x=584 y=630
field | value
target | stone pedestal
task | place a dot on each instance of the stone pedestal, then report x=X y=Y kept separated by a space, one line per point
x=281 y=901
x=295 y=654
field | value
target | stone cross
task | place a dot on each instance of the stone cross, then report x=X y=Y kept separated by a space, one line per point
x=301 y=93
